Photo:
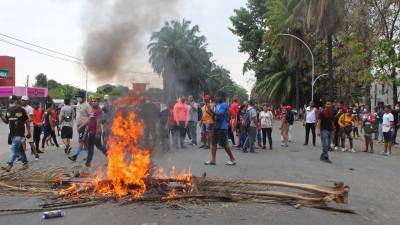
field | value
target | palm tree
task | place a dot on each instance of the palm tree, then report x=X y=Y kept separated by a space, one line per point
x=325 y=18
x=179 y=54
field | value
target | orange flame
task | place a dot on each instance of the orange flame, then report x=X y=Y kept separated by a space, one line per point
x=128 y=164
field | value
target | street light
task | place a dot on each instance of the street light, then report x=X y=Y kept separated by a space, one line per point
x=316 y=79
x=312 y=59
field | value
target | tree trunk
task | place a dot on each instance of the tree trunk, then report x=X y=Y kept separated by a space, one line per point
x=297 y=87
x=394 y=85
x=330 y=67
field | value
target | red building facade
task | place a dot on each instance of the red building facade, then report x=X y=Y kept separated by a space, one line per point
x=7 y=71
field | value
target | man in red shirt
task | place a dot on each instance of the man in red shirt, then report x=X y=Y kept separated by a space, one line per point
x=37 y=125
x=94 y=130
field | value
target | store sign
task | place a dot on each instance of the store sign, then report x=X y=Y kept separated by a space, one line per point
x=4 y=73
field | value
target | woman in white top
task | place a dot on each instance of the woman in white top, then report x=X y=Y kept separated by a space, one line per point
x=267 y=123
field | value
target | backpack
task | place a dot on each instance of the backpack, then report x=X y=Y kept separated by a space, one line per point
x=68 y=118
x=247 y=121
x=290 y=117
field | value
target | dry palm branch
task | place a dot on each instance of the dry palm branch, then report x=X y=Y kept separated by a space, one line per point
x=49 y=183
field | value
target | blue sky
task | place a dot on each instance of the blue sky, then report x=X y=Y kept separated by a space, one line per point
x=58 y=25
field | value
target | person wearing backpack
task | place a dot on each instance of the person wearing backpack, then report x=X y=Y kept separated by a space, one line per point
x=251 y=124
x=66 y=121
x=368 y=122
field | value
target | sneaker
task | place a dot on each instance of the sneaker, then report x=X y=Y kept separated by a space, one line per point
x=25 y=166
x=336 y=148
x=332 y=145
x=305 y=144
x=344 y=149
x=230 y=163
x=244 y=150
x=40 y=152
x=352 y=150
x=73 y=158
x=6 y=168
x=210 y=163
x=203 y=146
x=382 y=153
x=87 y=165
x=387 y=153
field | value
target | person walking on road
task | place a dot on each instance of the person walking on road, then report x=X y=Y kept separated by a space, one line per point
x=267 y=124
x=181 y=117
x=387 y=129
x=37 y=125
x=287 y=120
x=325 y=128
x=220 y=132
x=346 y=123
x=367 y=125
x=18 y=121
x=29 y=141
x=193 y=119
x=252 y=125
x=67 y=115
x=310 y=119
x=49 y=125
x=82 y=115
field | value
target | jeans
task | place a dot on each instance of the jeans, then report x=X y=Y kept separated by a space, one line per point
x=179 y=132
x=16 y=148
x=251 y=139
x=48 y=131
x=37 y=131
x=259 y=137
x=242 y=139
x=267 y=132
x=231 y=135
x=326 y=137
x=310 y=126
x=93 y=141
x=192 y=129
x=348 y=135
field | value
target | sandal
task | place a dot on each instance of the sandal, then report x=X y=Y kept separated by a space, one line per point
x=210 y=163
x=230 y=163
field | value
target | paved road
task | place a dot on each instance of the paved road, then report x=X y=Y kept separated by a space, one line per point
x=373 y=179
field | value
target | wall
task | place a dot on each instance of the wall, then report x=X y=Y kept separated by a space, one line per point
x=7 y=68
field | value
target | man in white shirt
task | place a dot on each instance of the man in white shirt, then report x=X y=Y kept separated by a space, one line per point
x=29 y=112
x=310 y=119
x=387 y=128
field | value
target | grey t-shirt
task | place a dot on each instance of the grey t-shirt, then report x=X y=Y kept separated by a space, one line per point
x=67 y=112
x=253 y=113
x=82 y=113
x=193 y=115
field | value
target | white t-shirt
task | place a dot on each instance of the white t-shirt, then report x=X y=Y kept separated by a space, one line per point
x=387 y=118
x=29 y=112
x=310 y=115
x=266 y=119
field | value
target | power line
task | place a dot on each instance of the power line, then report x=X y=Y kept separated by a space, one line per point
x=39 y=52
x=38 y=46
x=75 y=59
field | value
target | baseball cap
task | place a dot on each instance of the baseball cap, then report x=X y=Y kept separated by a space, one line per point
x=207 y=97
x=25 y=98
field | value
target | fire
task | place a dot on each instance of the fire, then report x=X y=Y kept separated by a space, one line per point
x=128 y=164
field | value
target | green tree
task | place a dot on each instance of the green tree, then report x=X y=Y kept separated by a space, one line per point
x=41 y=80
x=178 y=53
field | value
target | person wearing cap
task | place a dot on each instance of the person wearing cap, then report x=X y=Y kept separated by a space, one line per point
x=207 y=121
x=67 y=114
x=29 y=112
x=82 y=114
x=18 y=120
x=220 y=132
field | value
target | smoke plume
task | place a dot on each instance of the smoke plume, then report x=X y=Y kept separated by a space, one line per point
x=118 y=32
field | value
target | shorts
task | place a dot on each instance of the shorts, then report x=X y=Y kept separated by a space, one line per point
x=220 y=137
x=66 y=132
x=285 y=128
x=82 y=133
x=387 y=136
x=207 y=128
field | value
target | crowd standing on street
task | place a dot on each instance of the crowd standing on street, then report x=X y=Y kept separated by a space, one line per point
x=221 y=120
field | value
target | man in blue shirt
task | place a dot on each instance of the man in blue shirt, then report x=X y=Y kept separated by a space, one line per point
x=220 y=132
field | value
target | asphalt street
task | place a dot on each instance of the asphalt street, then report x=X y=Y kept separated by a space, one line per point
x=373 y=180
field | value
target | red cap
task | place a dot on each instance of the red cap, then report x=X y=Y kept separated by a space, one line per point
x=207 y=97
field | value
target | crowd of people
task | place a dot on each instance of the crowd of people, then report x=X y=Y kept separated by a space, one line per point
x=243 y=125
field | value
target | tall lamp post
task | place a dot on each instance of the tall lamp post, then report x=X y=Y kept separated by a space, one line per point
x=312 y=59
x=315 y=81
